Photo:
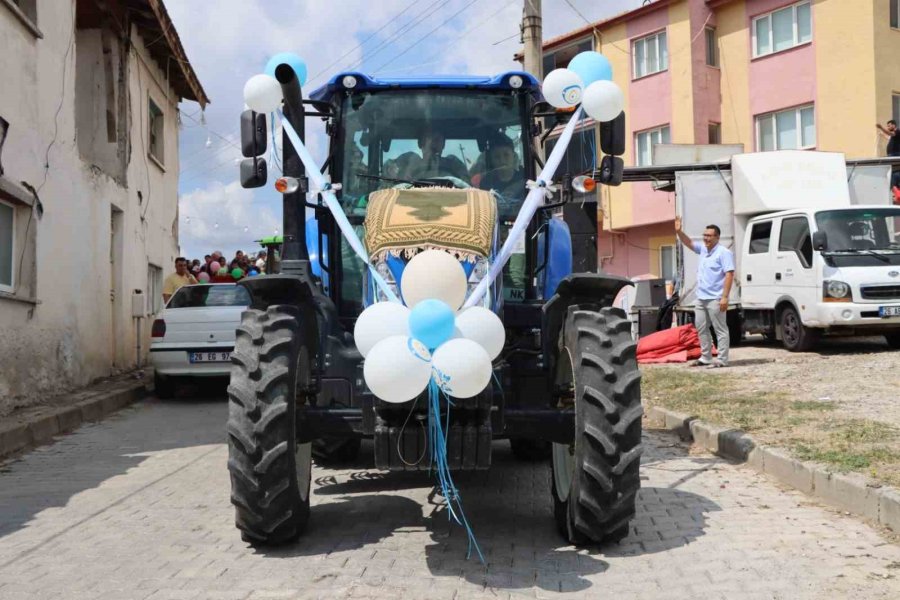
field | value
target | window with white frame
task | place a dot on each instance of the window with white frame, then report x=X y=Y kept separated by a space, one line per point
x=156 y=142
x=651 y=55
x=154 y=288
x=895 y=14
x=782 y=29
x=667 y=262
x=792 y=129
x=644 y=141
x=7 y=246
x=712 y=48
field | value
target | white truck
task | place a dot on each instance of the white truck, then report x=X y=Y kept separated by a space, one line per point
x=816 y=244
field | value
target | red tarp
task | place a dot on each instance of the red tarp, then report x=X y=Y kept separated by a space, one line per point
x=679 y=344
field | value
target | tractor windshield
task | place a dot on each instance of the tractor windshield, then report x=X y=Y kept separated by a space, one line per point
x=447 y=137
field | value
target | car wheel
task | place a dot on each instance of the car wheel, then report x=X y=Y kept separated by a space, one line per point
x=795 y=336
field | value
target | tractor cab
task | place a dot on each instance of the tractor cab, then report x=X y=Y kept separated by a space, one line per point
x=466 y=140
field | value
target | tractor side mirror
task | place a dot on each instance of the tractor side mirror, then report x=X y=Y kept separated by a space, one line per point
x=254 y=172
x=611 y=169
x=612 y=136
x=820 y=241
x=253 y=133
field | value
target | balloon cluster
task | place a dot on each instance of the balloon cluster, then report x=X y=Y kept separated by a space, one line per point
x=262 y=93
x=588 y=81
x=407 y=346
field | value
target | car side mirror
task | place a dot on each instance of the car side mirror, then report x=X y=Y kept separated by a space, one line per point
x=253 y=133
x=254 y=172
x=820 y=241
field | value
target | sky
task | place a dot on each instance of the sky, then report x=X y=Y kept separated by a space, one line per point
x=230 y=44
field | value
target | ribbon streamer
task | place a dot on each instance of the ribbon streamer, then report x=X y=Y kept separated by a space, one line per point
x=533 y=201
x=326 y=189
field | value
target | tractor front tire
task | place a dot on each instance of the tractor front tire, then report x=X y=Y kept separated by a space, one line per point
x=270 y=471
x=595 y=479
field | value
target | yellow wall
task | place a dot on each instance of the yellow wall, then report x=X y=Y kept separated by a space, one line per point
x=734 y=58
x=614 y=44
x=680 y=68
x=887 y=72
x=845 y=75
x=654 y=244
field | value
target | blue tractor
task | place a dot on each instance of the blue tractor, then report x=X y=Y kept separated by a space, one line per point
x=567 y=384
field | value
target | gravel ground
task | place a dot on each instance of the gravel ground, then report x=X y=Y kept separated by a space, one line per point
x=860 y=375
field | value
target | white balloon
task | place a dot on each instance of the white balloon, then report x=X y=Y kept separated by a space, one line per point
x=603 y=100
x=434 y=274
x=462 y=368
x=379 y=321
x=397 y=369
x=562 y=88
x=262 y=93
x=484 y=327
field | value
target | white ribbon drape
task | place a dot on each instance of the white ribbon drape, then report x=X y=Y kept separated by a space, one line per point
x=320 y=184
x=535 y=199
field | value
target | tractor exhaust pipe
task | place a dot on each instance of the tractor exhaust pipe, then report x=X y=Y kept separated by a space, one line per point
x=294 y=255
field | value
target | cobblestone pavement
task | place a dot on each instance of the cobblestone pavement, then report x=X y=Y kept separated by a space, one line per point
x=137 y=507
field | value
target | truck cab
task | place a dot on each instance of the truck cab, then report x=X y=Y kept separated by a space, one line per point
x=805 y=273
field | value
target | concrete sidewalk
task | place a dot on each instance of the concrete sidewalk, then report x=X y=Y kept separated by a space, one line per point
x=35 y=425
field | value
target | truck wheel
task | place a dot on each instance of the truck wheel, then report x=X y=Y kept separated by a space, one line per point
x=595 y=480
x=164 y=387
x=795 y=336
x=735 y=328
x=530 y=450
x=893 y=340
x=270 y=471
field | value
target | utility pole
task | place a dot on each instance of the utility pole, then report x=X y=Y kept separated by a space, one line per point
x=532 y=34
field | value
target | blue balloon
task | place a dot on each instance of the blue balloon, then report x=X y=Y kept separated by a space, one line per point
x=253 y=272
x=591 y=67
x=287 y=58
x=432 y=322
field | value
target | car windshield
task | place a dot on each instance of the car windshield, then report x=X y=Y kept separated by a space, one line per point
x=198 y=296
x=867 y=235
x=465 y=138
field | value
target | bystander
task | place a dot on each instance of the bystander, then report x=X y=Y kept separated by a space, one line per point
x=715 y=274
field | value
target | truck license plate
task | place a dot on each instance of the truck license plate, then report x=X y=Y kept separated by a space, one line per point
x=204 y=357
x=889 y=311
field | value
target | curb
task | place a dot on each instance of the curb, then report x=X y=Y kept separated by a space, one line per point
x=90 y=407
x=850 y=492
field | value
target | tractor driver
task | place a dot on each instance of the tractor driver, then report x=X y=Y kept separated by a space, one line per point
x=434 y=163
x=504 y=175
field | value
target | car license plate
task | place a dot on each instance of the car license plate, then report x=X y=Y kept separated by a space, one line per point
x=205 y=357
x=889 y=311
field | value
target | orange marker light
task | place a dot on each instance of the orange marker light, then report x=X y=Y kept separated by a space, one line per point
x=584 y=184
x=287 y=185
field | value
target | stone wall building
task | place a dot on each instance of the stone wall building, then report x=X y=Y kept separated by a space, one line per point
x=89 y=94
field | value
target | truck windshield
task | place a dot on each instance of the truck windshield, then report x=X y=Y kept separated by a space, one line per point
x=862 y=236
x=463 y=138
x=201 y=296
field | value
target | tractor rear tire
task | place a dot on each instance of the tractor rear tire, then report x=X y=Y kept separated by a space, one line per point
x=595 y=480
x=270 y=471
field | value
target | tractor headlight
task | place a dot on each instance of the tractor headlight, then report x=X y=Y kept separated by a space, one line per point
x=516 y=82
x=349 y=82
x=835 y=291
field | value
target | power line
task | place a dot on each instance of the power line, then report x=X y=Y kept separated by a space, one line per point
x=362 y=43
x=418 y=41
x=438 y=4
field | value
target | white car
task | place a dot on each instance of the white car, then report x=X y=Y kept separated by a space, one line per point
x=194 y=334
